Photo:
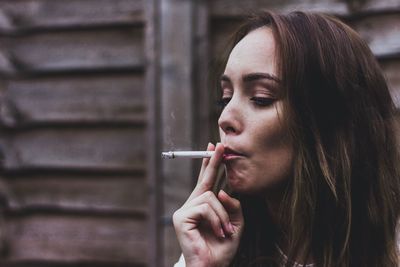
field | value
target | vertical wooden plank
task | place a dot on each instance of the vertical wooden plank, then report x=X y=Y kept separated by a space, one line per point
x=176 y=97
x=152 y=33
x=202 y=86
x=177 y=109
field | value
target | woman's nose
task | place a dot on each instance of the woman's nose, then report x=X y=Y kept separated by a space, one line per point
x=229 y=121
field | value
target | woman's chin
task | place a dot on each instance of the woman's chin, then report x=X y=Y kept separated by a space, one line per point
x=240 y=186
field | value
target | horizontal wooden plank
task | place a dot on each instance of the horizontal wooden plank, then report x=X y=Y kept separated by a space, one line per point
x=28 y=14
x=375 y=6
x=73 y=99
x=90 y=193
x=381 y=32
x=70 y=148
x=73 y=50
x=75 y=238
x=229 y=8
x=391 y=70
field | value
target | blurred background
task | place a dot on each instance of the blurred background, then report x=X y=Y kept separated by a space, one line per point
x=91 y=91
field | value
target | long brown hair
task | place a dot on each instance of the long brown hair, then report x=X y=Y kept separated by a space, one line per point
x=342 y=202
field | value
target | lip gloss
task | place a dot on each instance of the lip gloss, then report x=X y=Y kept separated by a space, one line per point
x=187 y=154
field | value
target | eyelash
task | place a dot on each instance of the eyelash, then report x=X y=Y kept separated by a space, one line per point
x=259 y=101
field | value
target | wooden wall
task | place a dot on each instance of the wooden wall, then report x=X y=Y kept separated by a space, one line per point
x=92 y=90
x=72 y=113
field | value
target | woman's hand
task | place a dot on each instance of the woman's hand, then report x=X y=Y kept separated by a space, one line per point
x=209 y=226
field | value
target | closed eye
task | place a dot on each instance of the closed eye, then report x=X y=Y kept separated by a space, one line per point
x=262 y=101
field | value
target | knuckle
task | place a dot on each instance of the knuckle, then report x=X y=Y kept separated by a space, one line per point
x=208 y=194
x=176 y=216
x=205 y=208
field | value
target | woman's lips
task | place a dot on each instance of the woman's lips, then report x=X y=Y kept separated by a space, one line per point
x=230 y=154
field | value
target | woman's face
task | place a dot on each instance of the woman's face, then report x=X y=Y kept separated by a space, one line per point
x=258 y=153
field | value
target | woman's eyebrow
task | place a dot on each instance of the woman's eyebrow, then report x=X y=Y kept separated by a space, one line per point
x=260 y=76
x=253 y=77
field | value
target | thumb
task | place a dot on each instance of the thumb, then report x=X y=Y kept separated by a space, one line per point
x=233 y=207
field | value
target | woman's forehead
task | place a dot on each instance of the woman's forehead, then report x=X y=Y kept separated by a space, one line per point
x=254 y=53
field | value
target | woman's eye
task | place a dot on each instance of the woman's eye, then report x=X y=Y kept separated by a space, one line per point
x=223 y=102
x=262 y=101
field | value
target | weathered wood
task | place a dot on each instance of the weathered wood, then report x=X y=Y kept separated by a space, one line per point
x=31 y=14
x=374 y=5
x=81 y=193
x=176 y=99
x=69 y=148
x=381 y=32
x=73 y=99
x=201 y=85
x=153 y=140
x=75 y=238
x=64 y=75
x=229 y=8
x=73 y=50
x=172 y=249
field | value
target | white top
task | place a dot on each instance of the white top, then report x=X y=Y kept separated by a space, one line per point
x=181 y=262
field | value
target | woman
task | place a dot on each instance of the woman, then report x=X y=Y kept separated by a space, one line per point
x=308 y=143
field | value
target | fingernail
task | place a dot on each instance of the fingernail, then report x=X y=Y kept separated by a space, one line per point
x=230 y=227
x=222 y=233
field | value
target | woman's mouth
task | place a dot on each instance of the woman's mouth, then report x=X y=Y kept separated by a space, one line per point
x=230 y=154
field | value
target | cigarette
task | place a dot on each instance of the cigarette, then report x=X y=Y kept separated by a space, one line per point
x=187 y=154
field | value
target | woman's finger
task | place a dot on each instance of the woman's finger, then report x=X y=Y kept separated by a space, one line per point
x=210 y=147
x=209 y=174
x=200 y=214
x=211 y=199
x=233 y=208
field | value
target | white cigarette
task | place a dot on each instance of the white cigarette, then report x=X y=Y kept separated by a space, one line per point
x=187 y=154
